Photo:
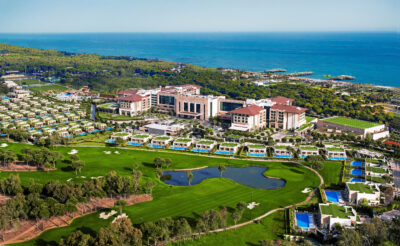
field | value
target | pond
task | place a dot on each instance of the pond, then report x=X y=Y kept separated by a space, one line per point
x=248 y=176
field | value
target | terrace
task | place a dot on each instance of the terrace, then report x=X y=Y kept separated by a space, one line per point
x=336 y=211
x=351 y=122
x=361 y=187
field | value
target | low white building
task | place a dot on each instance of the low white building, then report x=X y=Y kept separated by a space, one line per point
x=357 y=192
x=332 y=214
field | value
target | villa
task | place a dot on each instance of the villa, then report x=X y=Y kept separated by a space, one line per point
x=160 y=142
x=332 y=214
x=357 y=192
x=308 y=151
x=88 y=127
x=282 y=151
x=63 y=133
x=181 y=143
x=228 y=148
x=134 y=104
x=139 y=139
x=256 y=150
x=100 y=126
x=249 y=118
x=123 y=135
x=204 y=146
x=335 y=153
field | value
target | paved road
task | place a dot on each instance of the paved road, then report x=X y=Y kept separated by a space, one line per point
x=396 y=172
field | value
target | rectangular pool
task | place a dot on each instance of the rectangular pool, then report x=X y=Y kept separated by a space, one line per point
x=333 y=196
x=304 y=220
x=356 y=163
x=256 y=155
x=201 y=150
x=337 y=158
x=357 y=172
x=177 y=148
x=283 y=156
x=223 y=152
x=354 y=180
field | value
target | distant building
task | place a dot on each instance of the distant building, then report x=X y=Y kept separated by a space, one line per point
x=249 y=118
x=332 y=214
x=134 y=104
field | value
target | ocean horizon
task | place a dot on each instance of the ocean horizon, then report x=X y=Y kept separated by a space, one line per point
x=371 y=57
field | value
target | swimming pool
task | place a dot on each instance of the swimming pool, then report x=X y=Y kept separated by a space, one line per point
x=333 y=196
x=303 y=157
x=155 y=146
x=134 y=144
x=224 y=152
x=357 y=172
x=283 y=156
x=176 y=148
x=337 y=158
x=354 y=180
x=357 y=163
x=83 y=134
x=304 y=220
x=110 y=141
x=201 y=150
x=256 y=155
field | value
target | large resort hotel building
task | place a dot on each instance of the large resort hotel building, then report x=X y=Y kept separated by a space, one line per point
x=186 y=101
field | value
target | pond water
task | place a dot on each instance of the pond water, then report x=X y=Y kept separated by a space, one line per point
x=248 y=176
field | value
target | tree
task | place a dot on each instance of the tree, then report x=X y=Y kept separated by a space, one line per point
x=200 y=226
x=182 y=229
x=77 y=166
x=120 y=204
x=54 y=156
x=159 y=173
x=221 y=169
x=125 y=233
x=158 y=162
x=119 y=141
x=241 y=206
x=349 y=237
x=190 y=176
x=74 y=158
x=76 y=238
x=149 y=187
x=315 y=161
x=236 y=216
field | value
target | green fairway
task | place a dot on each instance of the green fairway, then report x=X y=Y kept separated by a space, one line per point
x=351 y=122
x=54 y=88
x=174 y=201
x=331 y=173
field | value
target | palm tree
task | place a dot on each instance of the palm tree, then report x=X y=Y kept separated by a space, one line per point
x=221 y=169
x=190 y=176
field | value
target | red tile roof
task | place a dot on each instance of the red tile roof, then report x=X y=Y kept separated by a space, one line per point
x=191 y=85
x=250 y=110
x=127 y=92
x=132 y=98
x=288 y=108
x=282 y=100
x=391 y=143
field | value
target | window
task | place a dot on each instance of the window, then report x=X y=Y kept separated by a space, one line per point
x=198 y=108
x=168 y=100
x=229 y=106
x=192 y=107
x=185 y=107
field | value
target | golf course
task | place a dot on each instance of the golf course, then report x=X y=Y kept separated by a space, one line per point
x=176 y=201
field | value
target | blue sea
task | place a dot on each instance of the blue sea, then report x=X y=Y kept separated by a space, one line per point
x=373 y=58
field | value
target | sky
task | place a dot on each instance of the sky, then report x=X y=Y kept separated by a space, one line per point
x=60 y=16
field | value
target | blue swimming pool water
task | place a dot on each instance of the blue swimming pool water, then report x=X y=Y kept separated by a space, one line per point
x=355 y=180
x=94 y=131
x=304 y=220
x=176 y=148
x=134 y=144
x=283 y=156
x=303 y=156
x=356 y=163
x=337 y=158
x=333 y=196
x=83 y=134
x=358 y=172
x=201 y=150
x=155 y=146
x=223 y=152
x=256 y=155
x=248 y=176
x=110 y=141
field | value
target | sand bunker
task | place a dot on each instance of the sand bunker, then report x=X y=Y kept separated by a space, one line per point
x=306 y=190
x=3 y=145
x=106 y=216
x=73 y=152
x=116 y=152
x=107 y=152
x=120 y=217
x=252 y=205
x=69 y=179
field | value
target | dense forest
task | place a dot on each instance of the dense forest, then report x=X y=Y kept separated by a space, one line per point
x=109 y=74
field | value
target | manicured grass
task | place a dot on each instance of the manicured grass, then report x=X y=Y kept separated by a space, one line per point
x=174 y=201
x=270 y=228
x=140 y=136
x=309 y=119
x=112 y=116
x=376 y=179
x=351 y=122
x=162 y=138
x=205 y=142
x=105 y=105
x=229 y=144
x=256 y=146
x=331 y=173
x=120 y=134
x=363 y=188
x=335 y=149
x=304 y=126
x=308 y=148
x=336 y=211
x=280 y=147
x=376 y=169
x=183 y=140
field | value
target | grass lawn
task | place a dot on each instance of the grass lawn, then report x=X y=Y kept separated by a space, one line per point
x=162 y=138
x=112 y=116
x=29 y=82
x=376 y=169
x=256 y=146
x=376 y=179
x=304 y=126
x=331 y=173
x=183 y=140
x=335 y=149
x=363 y=188
x=142 y=136
x=54 y=88
x=205 y=142
x=308 y=148
x=269 y=229
x=309 y=119
x=351 y=122
x=229 y=144
x=336 y=211
x=174 y=201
